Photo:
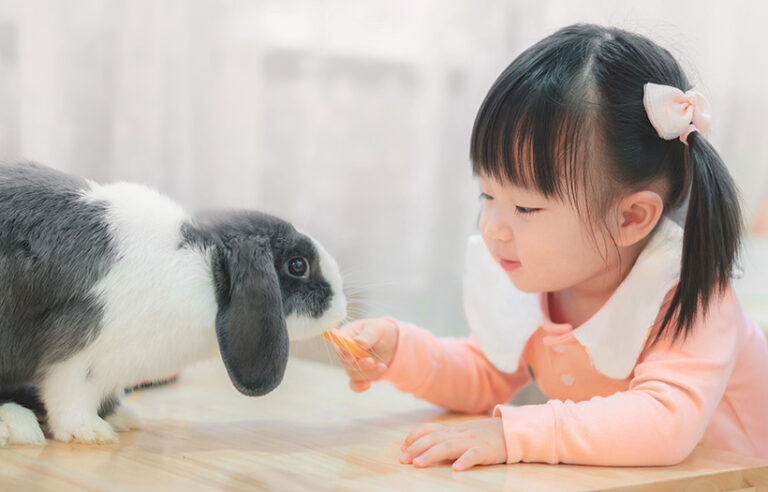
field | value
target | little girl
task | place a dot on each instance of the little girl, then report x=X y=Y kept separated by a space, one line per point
x=584 y=147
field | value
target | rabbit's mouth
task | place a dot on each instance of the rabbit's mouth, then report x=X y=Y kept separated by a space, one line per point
x=303 y=324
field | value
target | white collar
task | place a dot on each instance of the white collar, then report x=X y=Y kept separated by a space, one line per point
x=503 y=318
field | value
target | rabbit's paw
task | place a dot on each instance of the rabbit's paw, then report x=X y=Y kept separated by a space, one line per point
x=18 y=425
x=3 y=434
x=92 y=431
x=123 y=419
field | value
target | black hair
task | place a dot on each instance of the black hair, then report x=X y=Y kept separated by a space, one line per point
x=566 y=117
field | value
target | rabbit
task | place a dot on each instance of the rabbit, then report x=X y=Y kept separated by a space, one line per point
x=107 y=285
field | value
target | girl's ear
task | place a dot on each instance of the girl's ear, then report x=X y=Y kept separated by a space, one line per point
x=638 y=214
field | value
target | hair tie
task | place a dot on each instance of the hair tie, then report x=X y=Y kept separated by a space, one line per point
x=684 y=137
x=674 y=113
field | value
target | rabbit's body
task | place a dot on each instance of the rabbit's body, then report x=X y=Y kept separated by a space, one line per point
x=107 y=285
x=158 y=290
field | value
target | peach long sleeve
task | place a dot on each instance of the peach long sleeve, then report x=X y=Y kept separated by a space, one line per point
x=449 y=372
x=702 y=389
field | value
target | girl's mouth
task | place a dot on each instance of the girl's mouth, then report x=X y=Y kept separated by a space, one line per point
x=509 y=265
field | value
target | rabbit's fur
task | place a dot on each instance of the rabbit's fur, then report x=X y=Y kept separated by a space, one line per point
x=105 y=286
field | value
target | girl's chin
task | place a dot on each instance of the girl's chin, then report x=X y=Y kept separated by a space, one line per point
x=519 y=281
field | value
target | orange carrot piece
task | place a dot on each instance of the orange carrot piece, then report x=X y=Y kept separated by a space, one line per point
x=346 y=344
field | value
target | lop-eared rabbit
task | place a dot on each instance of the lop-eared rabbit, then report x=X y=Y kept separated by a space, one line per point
x=102 y=286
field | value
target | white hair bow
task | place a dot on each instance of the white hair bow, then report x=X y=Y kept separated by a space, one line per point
x=674 y=113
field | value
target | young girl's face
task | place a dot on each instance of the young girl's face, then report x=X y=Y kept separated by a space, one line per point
x=542 y=243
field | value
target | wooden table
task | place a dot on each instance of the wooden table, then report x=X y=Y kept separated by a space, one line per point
x=312 y=433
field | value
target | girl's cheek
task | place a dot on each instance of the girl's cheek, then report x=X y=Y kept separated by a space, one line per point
x=481 y=222
x=485 y=215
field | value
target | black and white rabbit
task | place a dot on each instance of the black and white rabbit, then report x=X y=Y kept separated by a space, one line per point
x=102 y=286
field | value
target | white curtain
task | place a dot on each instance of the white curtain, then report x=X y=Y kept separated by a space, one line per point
x=350 y=118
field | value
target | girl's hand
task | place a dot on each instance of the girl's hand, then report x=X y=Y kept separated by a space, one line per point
x=378 y=336
x=475 y=442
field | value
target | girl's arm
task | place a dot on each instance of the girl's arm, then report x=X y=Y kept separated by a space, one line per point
x=658 y=421
x=450 y=372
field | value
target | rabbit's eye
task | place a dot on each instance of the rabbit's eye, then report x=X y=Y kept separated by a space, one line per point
x=298 y=267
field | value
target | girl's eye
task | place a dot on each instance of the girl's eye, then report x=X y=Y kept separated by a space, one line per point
x=526 y=210
x=485 y=196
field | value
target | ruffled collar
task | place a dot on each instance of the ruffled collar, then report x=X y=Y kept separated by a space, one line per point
x=503 y=318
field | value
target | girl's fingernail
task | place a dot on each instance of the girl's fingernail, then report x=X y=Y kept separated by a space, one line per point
x=403 y=456
x=458 y=465
x=418 y=461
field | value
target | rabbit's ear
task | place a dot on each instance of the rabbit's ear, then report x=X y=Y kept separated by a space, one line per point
x=250 y=324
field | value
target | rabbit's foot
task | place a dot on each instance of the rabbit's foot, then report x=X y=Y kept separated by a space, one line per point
x=123 y=419
x=18 y=425
x=3 y=433
x=94 y=430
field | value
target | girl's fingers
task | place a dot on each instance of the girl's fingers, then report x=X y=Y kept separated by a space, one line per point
x=367 y=367
x=365 y=333
x=420 y=431
x=362 y=369
x=444 y=450
x=422 y=444
x=343 y=356
x=369 y=334
x=478 y=455
x=359 y=386
x=353 y=328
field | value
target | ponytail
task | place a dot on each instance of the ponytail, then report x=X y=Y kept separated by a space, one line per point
x=711 y=240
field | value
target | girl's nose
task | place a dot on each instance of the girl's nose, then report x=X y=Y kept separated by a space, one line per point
x=497 y=229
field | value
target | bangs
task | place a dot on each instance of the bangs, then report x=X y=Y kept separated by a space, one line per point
x=536 y=132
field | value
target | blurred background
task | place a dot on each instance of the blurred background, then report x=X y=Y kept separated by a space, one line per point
x=349 y=118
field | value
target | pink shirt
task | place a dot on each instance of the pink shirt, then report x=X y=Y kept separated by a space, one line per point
x=711 y=388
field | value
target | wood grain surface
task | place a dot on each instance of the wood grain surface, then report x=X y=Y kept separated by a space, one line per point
x=313 y=433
